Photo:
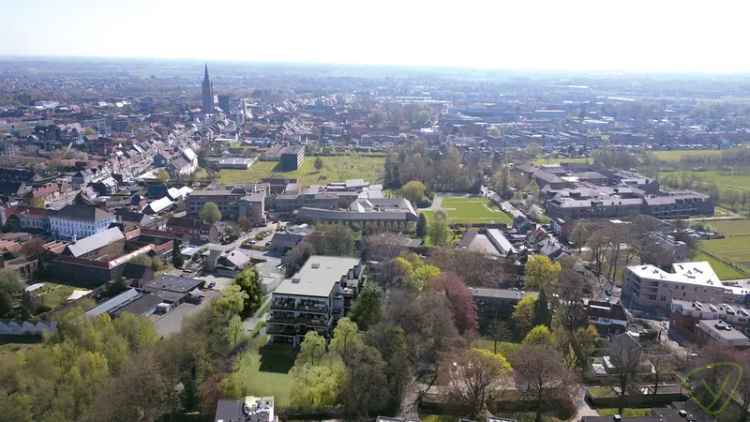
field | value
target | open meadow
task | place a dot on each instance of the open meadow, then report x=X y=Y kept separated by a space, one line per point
x=335 y=169
x=471 y=210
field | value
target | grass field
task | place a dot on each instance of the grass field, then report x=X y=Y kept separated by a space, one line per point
x=471 y=210
x=723 y=271
x=732 y=249
x=732 y=228
x=335 y=169
x=676 y=155
x=558 y=160
x=726 y=180
x=53 y=294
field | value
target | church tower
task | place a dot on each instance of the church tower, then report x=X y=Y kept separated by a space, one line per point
x=207 y=93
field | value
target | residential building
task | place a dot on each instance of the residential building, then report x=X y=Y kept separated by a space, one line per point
x=382 y=214
x=313 y=298
x=291 y=158
x=648 y=287
x=720 y=333
x=234 y=204
x=249 y=409
x=79 y=221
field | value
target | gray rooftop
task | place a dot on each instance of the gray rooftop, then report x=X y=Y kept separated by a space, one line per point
x=95 y=241
x=318 y=276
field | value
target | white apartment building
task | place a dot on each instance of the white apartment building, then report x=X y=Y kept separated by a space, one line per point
x=79 y=221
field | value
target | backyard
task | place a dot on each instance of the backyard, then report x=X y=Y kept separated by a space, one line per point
x=335 y=169
x=263 y=370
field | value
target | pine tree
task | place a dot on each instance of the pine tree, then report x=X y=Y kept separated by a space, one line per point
x=542 y=315
x=421 y=226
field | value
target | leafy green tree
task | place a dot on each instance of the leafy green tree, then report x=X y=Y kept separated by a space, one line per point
x=162 y=176
x=540 y=335
x=177 y=260
x=317 y=386
x=346 y=338
x=541 y=272
x=210 y=213
x=234 y=331
x=413 y=271
x=10 y=290
x=414 y=191
x=332 y=239
x=421 y=226
x=312 y=350
x=390 y=341
x=249 y=282
x=365 y=390
x=439 y=230
x=368 y=308
x=523 y=315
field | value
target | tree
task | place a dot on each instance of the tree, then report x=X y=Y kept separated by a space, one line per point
x=499 y=332
x=414 y=191
x=10 y=290
x=296 y=257
x=542 y=312
x=523 y=315
x=421 y=226
x=318 y=164
x=461 y=302
x=177 y=260
x=413 y=271
x=210 y=213
x=541 y=272
x=625 y=353
x=368 y=308
x=316 y=386
x=439 y=229
x=332 y=239
x=472 y=376
x=540 y=373
x=346 y=339
x=312 y=349
x=540 y=335
x=162 y=176
x=249 y=283
x=365 y=389
x=663 y=363
x=390 y=341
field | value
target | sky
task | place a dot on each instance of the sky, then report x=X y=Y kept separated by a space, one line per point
x=569 y=35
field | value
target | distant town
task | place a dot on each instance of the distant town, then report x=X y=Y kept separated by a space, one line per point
x=236 y=242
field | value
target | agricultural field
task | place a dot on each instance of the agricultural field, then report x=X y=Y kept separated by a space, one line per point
x=676 y=155
x=732 y=228
x=738 y=182
x=735 y=250
x=723 y=270
x=471 y=210
x=335 y=169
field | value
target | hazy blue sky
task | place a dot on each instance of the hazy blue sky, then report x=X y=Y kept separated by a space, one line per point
x=662 y=35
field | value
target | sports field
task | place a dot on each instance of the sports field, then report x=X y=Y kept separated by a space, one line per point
x=471 y=210
x=335 y=169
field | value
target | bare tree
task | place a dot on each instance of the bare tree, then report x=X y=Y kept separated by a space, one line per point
x=473 y=376
x=625 y=353
x=541 y=375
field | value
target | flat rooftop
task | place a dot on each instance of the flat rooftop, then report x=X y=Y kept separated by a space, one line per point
x=699 y=272
x=318 y=276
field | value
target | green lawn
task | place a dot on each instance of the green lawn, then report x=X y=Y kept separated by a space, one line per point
x=676 y=155
x=264 y=371
x=732 y=249
x=737 y=181
x=723 y=271
x=438 y=418
x=732 y=228
x=53 y=294
x=471 y=210
x=335 y=169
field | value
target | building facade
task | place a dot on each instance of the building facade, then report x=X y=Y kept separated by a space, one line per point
x=79 y=221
